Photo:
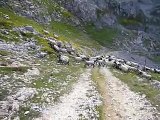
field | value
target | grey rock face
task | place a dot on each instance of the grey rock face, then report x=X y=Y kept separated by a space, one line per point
x=104 y=13
x=29 y=28
x=31 y=10
x=95 y=10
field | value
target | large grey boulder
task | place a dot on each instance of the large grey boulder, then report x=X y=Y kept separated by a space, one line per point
x=29 y=28
x=23 y=94
x=32 y=72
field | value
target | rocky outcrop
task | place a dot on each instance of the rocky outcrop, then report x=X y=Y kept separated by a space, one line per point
x=31 y=10
x=96 y=10
x=40 y=11
x=13 y=103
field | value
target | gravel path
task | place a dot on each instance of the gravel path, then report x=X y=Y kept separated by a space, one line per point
x=80 y=103
x=123 y=104
x=120 y=102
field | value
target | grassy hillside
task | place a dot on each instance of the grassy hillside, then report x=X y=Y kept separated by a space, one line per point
x=104 y=36
x=66 y=32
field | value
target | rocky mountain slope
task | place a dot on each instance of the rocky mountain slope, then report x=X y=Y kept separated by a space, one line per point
x=135 y=23
x=140 y=17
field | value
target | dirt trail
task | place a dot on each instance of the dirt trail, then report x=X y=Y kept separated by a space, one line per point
x=122 y=103
x=119 y=102
x=80 y=103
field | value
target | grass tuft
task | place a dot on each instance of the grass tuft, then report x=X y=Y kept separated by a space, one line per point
x=8 y=70
x=4 y=53
x=129 y=21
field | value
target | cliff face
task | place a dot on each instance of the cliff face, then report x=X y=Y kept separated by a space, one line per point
x=102 y=11
x=142 y=17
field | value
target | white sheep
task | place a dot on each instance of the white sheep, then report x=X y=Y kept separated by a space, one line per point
x=52 y=40
x=63 y=59
x=109 y=63
x=120 y=60
x=92 y=59
x=89 y=63
x=101 y=62
x=98 y=57
x=133 y=64
x=134 y=69
x=70 y=50
x=78 y=59
x=124 y=67
x=63 y=50
x=146 y=68
x=128 y=63
x=56 y=48
x=157 y=71
x=152 y=70
x=145 y=75
x=112 y=57
x=107 y=56
x=83 y=57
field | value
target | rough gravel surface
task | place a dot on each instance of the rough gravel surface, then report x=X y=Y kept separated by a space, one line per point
x=123 y=104
x=80 y=103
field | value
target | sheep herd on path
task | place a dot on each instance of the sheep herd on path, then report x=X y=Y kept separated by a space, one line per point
x=66 y=50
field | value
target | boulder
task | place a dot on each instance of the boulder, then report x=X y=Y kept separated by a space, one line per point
x=29 y=28
x=32 y=72
x=41 y=54
x=59 y=44
x=23 y=95
x=16 y=64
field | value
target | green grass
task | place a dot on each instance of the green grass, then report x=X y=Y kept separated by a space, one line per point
x=104 y=36
x=74 y=35
x=3 y=94
x=129 y=21
x=4 y=53
x=139 y=86
x=11 y=37
x=45 y=46
x=53 y=6
x=16 y=20
x=22 y=21
x=155 y=76
x=8 y=70
x=48 y=79
x=66 y=32
x=30 y=115
x=5 y=24
x=156 y=59
x=99 y=79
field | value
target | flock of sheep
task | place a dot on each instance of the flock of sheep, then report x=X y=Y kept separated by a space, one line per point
x=100 y=60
